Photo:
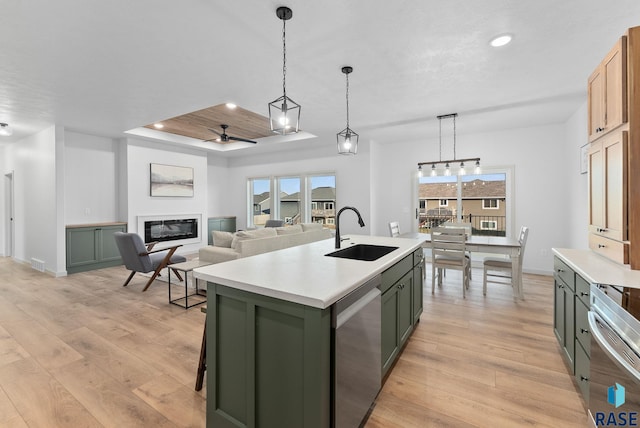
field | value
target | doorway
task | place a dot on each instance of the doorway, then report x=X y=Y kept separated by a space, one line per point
x=9 y=215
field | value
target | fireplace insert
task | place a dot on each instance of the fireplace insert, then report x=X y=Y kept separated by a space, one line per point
x=170 y=230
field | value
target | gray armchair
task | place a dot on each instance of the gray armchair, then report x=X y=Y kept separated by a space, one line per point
x=140 y=258
x=274 y=223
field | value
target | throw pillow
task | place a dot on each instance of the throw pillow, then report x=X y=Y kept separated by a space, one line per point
x=289 y=230
x=311 y=226
x=222 y=239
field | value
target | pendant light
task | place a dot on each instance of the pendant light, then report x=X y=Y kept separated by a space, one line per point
x=454 y=161
x=284 y=113
x=347 y=138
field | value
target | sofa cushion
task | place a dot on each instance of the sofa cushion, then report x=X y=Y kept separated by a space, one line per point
x=242 y=235
x=222 y=239
x=311 y=226
x=289 y=230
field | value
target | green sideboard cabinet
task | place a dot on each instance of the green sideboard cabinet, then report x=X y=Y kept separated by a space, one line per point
x=269 y=360
x=224 y=224
x=92 y=246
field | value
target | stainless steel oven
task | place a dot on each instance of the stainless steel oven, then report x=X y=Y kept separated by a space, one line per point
x=614 y=397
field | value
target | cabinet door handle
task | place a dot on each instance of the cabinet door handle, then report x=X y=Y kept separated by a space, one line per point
x=602 y=246
x=560 y=285
x=582 y=293
x=583 y=331
x=599 y=129
x=584 y=379
x=560 y=270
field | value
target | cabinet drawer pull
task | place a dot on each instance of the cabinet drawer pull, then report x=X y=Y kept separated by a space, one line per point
x=560 y=270
x=582 y=293
x=602 y=246
x=583 y=331
x=560 y=285
x=584 y=379
x=599 y=129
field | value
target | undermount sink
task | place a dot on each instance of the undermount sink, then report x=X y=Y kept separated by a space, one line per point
x=364 y=252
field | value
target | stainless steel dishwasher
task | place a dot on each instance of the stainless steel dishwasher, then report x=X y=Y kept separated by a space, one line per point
x=357 y=365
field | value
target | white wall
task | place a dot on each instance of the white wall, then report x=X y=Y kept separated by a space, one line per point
x=540 y=183
x=576 y=136
x=352 y=180
x=33 y=161
x=217 y=187
x=140 y=154
x=90 y=179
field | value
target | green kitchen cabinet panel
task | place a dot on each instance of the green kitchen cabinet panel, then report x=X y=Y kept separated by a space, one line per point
x=92 y=247
x=418 y=284
x=397 y=319
x=269 y=361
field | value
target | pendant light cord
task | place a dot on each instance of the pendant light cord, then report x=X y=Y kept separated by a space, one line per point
x=284 y=58
x=347 y=74
x=440 y=136
x=454 y=137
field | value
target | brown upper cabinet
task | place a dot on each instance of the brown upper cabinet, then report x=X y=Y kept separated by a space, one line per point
x=607 y=92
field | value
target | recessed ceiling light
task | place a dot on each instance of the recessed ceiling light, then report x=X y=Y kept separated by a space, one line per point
x=231 y=105
x=501 y=40
x=158 y=125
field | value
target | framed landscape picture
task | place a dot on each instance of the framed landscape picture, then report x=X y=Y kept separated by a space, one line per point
x=169 y=180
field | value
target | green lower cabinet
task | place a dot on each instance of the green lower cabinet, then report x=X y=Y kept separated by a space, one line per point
x=92 y=247
x=268 y=361
x=583 y=365
x=564 y=319
x=397 y=319
x=418 y=284
x=582 y=347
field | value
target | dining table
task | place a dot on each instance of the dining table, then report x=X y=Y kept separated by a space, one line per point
x=487 y=244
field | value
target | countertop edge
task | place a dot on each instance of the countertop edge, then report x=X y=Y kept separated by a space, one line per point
x=292 y=296
x=597 y=269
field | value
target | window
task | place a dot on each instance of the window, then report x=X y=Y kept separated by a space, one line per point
x=489 y=225
x=290 y=198
x=295 y=199
x=260 y=196
x=467 y=199
x=490 y=204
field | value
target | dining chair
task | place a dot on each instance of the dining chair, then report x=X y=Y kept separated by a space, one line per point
x=140 y=258
x=468 y=229
x=394 y=228
x=503 y=268
x=448 y=252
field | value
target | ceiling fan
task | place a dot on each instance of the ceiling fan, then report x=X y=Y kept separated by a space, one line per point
x=224 y=138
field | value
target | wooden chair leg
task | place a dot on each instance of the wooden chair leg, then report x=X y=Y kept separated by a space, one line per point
x=153 y=277
x=177 y=274
x=129 y=279
x=202 y=363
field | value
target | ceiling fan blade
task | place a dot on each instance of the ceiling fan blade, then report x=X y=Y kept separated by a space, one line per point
x=242 y=139
x=211 y=139
x=215 y=132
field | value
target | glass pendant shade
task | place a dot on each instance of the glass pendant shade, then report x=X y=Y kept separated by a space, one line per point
x=284 y=116
x=477 y=170
x=347 y=142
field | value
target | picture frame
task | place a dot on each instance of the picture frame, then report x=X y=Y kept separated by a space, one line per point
x=170 y=181
x=584 y=159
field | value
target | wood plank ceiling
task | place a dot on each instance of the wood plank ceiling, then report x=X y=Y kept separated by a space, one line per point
x=242 y=123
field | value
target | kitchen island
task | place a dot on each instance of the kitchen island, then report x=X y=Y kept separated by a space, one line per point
x=270 y=341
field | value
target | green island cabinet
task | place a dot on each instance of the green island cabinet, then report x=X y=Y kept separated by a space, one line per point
x=92 y=246
x=269 y=360
x=570 y=322
x=224 y=224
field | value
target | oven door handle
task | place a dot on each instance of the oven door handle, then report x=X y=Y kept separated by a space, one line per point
x=608 y=349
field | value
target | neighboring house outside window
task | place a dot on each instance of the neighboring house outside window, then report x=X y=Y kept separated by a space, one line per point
x=491 y=204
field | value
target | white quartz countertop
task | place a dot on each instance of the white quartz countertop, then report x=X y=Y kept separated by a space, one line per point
x=597 y=269
x=303 y=274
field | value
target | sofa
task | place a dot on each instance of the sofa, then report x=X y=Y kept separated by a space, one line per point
x=231 y=246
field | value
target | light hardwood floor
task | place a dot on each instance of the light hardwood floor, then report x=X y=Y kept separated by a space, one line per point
x=82 y=351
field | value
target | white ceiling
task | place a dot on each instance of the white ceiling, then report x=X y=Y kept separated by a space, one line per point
x=105 y=67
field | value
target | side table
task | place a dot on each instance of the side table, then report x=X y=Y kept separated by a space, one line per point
x=187 y=267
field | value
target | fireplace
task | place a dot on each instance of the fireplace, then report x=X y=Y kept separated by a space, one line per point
x=182 y=229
